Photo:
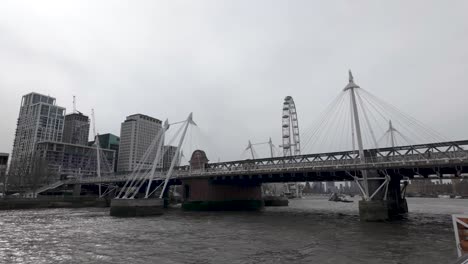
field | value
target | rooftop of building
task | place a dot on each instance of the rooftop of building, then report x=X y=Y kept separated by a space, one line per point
x=32 y=93
x=142 y=116
x=37 y=98
x=77 y=114
x=106 y=140
x=108 y=135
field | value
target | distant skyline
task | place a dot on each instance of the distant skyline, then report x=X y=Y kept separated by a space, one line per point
x=232 y=63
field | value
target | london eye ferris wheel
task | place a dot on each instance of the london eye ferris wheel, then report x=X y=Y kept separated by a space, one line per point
x=290 y=128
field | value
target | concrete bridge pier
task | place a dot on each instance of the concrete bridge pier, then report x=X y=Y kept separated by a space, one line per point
x=386 y=204
x=203 y=194
x=77 y=190
x=206 y=194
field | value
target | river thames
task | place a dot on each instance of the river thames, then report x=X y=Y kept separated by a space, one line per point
x=310 y=230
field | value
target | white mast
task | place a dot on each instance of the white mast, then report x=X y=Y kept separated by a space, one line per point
x=391 y=130
x=351 y=86
x=96 y=142
x=178 y=150
x=159 y=149
x=74 y=104
x=271 y=147
x=249 y=146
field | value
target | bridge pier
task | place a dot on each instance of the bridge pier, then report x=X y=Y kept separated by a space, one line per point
x=77 y=190
x=204 y=194
x=136 y=207
x=383 y=206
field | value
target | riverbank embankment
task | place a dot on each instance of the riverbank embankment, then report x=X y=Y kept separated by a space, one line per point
x=52 y=202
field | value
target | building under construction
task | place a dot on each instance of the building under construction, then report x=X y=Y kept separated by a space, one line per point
x=76 y=129
x=65 y=159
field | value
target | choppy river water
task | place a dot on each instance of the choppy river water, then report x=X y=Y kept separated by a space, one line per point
x=308 y=231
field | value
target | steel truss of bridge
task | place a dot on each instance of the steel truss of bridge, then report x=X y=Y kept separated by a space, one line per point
x=446 y=158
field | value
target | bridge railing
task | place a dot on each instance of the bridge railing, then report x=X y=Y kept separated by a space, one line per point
x=435 y=159
x=421 y=155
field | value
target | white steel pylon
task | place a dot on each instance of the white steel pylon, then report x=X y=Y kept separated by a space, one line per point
x=96 y=143
x=367 y=195
x=188 y=122
x=270 y=143
x=391 y=131
x=130 y=188
x=250 y=147
x=350 y=87
x=157 y=157
x=139 y=175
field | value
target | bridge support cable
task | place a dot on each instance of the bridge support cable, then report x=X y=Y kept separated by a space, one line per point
x=188 y=122
x=254 y=154
x=155 y=189
x=323 y=125
x=250 y=148
x=432 y=135
x=136 y=171
x=144 y=177
x=319 y=140
x=351 y=86
x=96 y=142
x=383 y=185
x=141 y=175
x=418 y=132
x=138 y=174
x=318 y=126
x=410 y=130
x=109 y=189
x=156 y=158
x=390 y=135
x=374 y=117
x=331 y=137
x=368 y=123
x=410 y=125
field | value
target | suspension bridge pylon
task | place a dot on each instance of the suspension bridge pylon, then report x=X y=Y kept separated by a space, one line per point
x=133 y=199
x=381 y=193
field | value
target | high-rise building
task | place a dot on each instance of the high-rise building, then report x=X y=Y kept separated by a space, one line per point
x=39 y=120
x=169 y=154
x=3 y=168
x=136 y=134
x=76 y=129
x=109 y=141
x=72 y=159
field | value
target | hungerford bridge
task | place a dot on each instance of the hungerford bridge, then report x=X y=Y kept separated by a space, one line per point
x=378 y=171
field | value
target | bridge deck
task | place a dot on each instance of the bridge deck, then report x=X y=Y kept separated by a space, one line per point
x=424 y=159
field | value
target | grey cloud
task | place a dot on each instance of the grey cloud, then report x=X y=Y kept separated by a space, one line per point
x=232 y=62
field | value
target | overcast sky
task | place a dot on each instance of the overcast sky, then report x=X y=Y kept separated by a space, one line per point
x=233 y=62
